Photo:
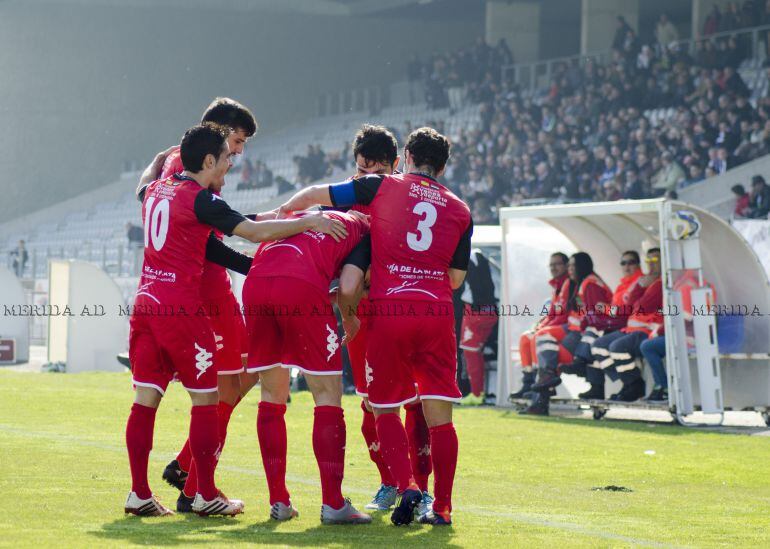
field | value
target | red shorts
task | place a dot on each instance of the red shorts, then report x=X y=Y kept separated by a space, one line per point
x=476 y=327
x=229 y=334
x=291 y=324
x=357 y=355
x=163 y=346
x=415 y=345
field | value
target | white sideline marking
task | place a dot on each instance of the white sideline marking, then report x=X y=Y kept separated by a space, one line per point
x=163 y=457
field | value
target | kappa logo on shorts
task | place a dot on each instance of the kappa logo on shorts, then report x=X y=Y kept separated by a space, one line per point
x=374 y=447
x=368 y=373
x=331 y=341
x=424 y=451
x=202 y=360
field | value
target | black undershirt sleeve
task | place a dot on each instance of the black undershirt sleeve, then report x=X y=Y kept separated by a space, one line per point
x=140 y=193
x=212 y=210
x=361 y=255
x=220 y=253
x=462 y=254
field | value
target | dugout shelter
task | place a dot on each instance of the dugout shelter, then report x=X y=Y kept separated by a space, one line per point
x=718 y=360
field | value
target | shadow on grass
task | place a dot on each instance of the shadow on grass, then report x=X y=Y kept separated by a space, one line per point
x=639 y=426
x=195 y=530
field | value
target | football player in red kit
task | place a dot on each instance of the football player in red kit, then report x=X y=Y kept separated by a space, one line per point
x=226 y=318
x=375 y=151
x=291 y=324
x=420 y=235
x=170 y=334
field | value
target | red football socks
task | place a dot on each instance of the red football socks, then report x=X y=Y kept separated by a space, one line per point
x=474 y=363
x=443 y=446
x=139 y=431
x=271 y=430
x=204 y=445
x=329 y=448
x=418 y=434
x=395 y=449
x=224 y=411
x=369 y=430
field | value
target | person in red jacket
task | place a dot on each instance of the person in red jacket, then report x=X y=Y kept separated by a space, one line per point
x=588 y=295
x=616 y=352
x=556 y=316
x=603 y=322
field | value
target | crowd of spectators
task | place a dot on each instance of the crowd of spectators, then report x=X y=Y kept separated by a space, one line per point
x=254 y=175
x=317 y=164
x=586 y=137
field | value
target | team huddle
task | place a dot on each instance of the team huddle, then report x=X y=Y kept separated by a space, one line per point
x=397 y=243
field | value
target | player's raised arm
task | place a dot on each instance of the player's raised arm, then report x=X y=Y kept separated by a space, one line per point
x=152 y=171
x=259 y=231
x=355 y=191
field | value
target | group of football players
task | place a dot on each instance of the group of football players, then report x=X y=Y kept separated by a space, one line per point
x=398 y=243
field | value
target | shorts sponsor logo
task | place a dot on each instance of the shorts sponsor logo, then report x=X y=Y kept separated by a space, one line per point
x=368 y=373
x=218 y=339
x=467 y=334
x=202 y=360
x=331 y=342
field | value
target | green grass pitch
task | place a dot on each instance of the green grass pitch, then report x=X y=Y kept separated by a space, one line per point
x=521 y=482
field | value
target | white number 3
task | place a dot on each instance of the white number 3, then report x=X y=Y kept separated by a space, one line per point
x=156 y=223
x=422 y=242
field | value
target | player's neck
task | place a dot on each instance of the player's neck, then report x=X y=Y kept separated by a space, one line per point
x=200 y=178
x=425 y=172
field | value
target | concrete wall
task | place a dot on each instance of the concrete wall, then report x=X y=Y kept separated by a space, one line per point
x=86 y=88
x=599 y=22
x=517 y=22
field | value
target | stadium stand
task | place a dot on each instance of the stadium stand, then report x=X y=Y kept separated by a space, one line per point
x=676 y=115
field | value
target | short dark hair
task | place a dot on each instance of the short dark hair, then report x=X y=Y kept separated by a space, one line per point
x=738 y=189
x=632 y=253
x=199 y=141
x=228 y=112
x=655 y=250
x=562 y=256
x=757 y=179
x=375 y=144
x=428 y=148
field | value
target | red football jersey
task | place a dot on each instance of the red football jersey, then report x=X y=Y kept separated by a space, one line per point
x=311 y=256
x=215 y=282
x=178 y=216
x=419 y=229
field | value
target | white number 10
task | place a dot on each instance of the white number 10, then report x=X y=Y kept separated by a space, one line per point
x=156 y=222
x=422 y=241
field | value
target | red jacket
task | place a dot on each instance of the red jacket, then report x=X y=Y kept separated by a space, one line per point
x=647 y=303
x=557 y=312
x=593 y=294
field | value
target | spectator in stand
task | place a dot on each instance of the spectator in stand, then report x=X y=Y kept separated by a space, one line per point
x=759 y=202
x=669 y=176
x=247 y=174
x=665 y=32
x=19 y=258
x=741 y=201
x=621 y=31
x=135 y=235
x=712 y=22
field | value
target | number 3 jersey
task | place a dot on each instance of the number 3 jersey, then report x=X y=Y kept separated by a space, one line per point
x=419 y=229
x=178 y=215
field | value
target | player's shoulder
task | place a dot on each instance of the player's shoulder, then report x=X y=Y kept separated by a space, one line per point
x=173 y=164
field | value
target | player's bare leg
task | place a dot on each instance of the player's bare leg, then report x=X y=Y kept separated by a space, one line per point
x=271 y=431
x=444 y=447
x=329 y=438
x=139 y=435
